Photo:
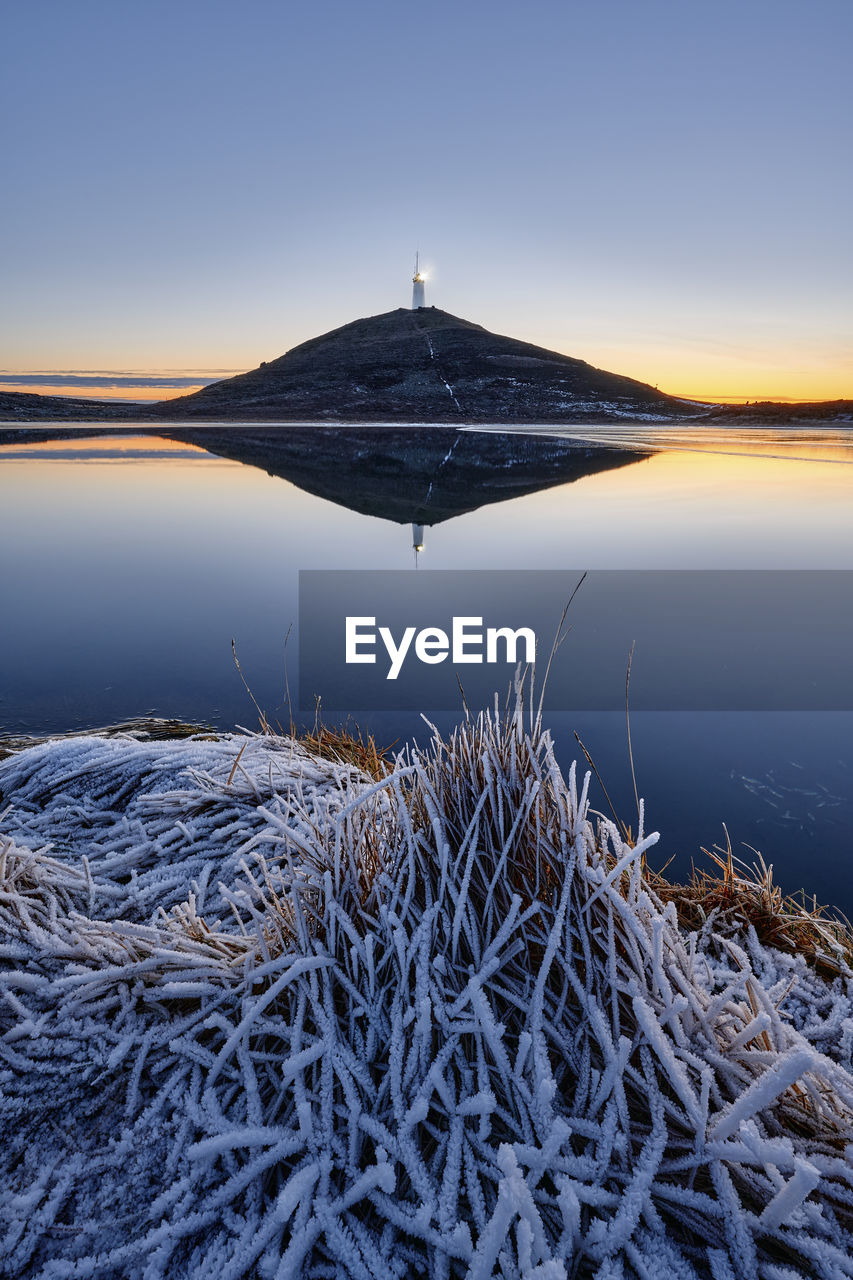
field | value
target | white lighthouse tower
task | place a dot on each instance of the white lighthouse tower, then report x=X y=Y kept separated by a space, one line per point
x=418 y=299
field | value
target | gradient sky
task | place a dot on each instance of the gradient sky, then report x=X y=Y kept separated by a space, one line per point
x=661 y=188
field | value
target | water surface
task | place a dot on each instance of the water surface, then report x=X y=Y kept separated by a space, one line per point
x=129 y=563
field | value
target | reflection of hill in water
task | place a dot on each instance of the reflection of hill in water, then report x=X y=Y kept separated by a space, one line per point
x=412 y=475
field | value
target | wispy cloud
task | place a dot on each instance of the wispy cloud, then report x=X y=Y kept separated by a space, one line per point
x=111 y=384
x=60 y=378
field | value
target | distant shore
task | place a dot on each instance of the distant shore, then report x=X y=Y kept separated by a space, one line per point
x=19 y=409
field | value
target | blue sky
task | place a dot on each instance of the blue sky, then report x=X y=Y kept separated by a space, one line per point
x=659 y=188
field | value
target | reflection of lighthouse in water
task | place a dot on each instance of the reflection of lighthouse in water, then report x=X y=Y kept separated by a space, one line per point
x=418 y=299
x=417 y=541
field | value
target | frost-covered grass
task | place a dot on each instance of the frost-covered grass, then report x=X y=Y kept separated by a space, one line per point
x=264 y=1014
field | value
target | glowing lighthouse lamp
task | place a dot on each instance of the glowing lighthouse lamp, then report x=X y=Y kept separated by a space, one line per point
x=418 y=281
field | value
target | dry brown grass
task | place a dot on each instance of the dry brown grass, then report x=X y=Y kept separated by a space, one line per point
x=736 y=894
x=740 y=896
x=348 y=746
x=143 y=727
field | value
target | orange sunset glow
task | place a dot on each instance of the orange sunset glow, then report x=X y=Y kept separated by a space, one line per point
x=782 y=376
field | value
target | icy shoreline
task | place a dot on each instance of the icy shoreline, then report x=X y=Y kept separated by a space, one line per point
x=264 y=1015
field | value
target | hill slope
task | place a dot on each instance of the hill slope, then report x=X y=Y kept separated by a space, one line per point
x=425 y=366
x=28 y=406
x=780 y=413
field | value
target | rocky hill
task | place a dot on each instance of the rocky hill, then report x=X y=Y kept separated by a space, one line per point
x=425 y=366
x=774 y=413
x=27 y=406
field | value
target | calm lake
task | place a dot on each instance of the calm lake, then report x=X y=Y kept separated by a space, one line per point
x=129 y=563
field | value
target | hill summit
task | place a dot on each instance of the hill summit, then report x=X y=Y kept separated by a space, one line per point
x=425 y=365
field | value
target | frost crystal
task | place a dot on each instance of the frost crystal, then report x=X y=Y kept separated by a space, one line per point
x=265 y=1016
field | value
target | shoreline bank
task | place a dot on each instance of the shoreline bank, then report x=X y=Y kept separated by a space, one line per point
x=284 y=1012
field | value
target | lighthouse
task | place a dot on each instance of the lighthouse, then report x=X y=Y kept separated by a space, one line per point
x=418 y=299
